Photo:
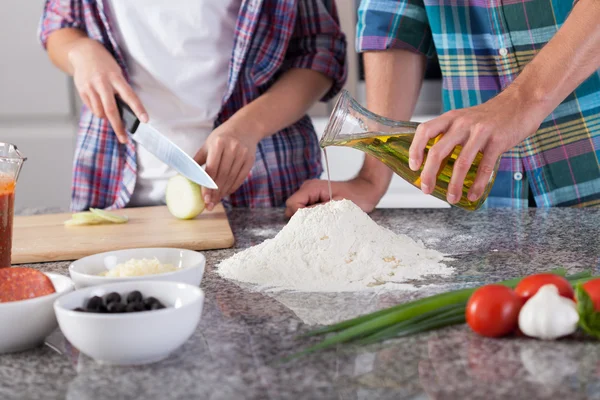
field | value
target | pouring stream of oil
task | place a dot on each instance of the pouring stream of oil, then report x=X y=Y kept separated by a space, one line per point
x=328 y=175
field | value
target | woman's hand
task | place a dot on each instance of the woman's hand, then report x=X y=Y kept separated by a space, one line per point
x=492 y=128
x=229 y=154
x=361 y=191
x=98 y=78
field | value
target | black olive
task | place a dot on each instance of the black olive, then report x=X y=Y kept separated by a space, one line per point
x=102 y=309
x=94 y=303
x=79 y=309
x=113 y=297
x=149 y=301
x=157 y=306
x=116 y=307
x=134 y=307
x=134 y=297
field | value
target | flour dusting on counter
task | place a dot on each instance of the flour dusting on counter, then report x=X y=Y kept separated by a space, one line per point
x=335 y=247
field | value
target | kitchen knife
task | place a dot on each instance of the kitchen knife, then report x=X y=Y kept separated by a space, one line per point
x=162 y=148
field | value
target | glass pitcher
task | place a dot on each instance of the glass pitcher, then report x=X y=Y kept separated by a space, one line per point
x=352 y=125
x=11 y=161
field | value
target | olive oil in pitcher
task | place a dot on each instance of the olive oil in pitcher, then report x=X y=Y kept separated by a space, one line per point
x=351 y=125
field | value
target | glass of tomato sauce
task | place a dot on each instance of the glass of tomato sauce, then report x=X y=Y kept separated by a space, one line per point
x=11 y=162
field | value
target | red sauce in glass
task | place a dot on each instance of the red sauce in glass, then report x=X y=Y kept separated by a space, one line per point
x=7 y=202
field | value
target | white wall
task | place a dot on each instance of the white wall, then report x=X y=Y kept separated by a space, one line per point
x=35 y=108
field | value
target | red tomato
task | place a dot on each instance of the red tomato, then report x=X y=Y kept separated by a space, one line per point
x=593 y=290
x=493 y=310
x=530 y=285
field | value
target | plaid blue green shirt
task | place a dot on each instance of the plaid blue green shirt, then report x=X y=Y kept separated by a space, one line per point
x=482 y=46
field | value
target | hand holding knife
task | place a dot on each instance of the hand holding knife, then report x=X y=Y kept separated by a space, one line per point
x=162 y=148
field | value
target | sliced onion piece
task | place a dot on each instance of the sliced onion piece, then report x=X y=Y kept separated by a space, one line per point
x=87 y=217
x=184 y=198
x=84 y=218
x=81 y=222
x=110 y=217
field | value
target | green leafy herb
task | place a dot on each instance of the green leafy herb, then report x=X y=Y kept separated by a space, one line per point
x=589 y=318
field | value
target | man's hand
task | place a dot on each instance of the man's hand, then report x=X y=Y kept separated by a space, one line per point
x=98 y=78
x=501 y=123
x=229 y=155
x=492 y=128
x=361 y=191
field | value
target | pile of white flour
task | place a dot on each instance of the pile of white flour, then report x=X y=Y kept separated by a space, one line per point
x=334 y=247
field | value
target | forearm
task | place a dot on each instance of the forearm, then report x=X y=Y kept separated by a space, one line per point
x=284 y=103
x=60 y=44
x=393 y=82
x=569 y=58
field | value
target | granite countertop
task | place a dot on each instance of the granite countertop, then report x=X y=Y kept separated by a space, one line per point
x=235 y=351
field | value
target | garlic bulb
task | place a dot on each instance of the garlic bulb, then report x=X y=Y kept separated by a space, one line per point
x=548 y=315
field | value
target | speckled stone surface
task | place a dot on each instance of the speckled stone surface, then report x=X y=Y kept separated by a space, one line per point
x=235 y=351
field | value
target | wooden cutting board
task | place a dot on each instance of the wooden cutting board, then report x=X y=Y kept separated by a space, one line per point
x=42 y=238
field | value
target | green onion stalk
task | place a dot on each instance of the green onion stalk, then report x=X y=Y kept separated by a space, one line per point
x=433 y=312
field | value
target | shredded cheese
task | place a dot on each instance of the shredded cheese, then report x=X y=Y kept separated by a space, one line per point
x=137 y=267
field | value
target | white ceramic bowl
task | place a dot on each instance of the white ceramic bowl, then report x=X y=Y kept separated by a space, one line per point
x=85 y=272
x=131 y=338
x=24 y=324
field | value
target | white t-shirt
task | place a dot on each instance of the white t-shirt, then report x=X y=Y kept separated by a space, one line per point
x=178 y=55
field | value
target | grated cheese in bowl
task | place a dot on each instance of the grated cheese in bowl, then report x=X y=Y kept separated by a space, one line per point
x=139 y=267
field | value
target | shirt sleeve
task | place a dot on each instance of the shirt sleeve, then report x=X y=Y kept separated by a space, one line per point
x=318 y=43
x=394 y=24
x=59 y=14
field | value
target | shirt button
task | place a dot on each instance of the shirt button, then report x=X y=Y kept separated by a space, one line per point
x=518 y=176
x=503 y=52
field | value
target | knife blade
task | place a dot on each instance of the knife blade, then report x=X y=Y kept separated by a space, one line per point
x=162 y=148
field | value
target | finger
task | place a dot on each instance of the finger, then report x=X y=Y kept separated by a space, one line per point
x=311 y=192
x=462 y=165
x=209 y=198
x=213 y=160
x=436 y=157
x=243 y=174
x=85 y=99
x=96 y=104
x=484 y=173
x=295 y=202
x=425 y=132
x=206 y=193
x=107 y=95
x=239 y=163
x=201 y=155
x=231 y=163
x=129 y=96
x=223 y=171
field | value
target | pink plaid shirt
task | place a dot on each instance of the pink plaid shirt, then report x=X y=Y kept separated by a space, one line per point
x=272 y=36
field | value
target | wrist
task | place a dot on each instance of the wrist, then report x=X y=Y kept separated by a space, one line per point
x=74 y=52
x=243 y=123
x=79 y=48
x=531 y=98
x=240 y=129
x=377 y=175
